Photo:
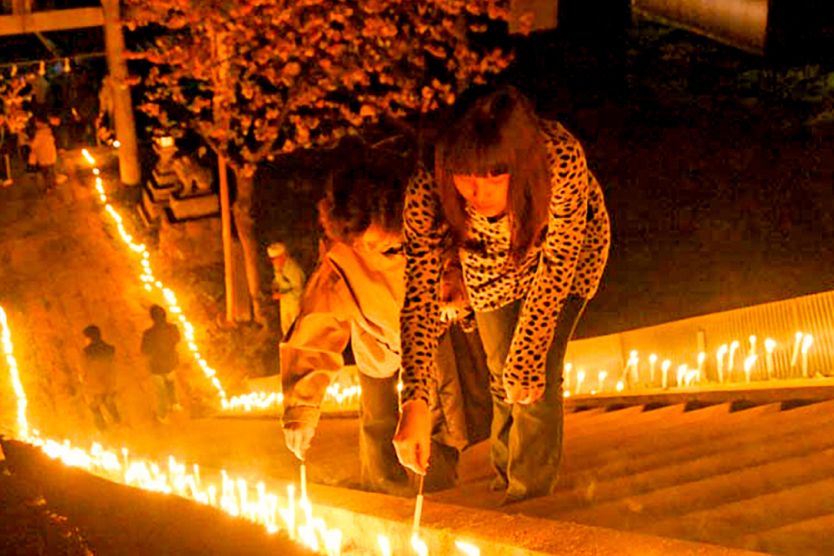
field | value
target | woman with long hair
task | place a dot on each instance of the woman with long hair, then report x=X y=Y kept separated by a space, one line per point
x=514 y=195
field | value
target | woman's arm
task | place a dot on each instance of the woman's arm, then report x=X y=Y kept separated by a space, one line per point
x=524 y=372
x=312 y=353
x=420 y=315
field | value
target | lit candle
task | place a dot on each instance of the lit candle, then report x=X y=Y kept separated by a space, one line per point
x=303 y=481
x=601 y=380
x=770 y=345
x=732 y=360
x=289 y=518
x=719 y=356
x=681 y=373
x=580 y=378
x=752 y=339
x=797 y=343
x=749 y=362
x=620 y=386
x=664 y=369
x=468 y=549
x=419 y=546
x=568 y=369
x=384 y=545
x=807 y=340
x=652 y=361
x=701 y=358
x=632 y=368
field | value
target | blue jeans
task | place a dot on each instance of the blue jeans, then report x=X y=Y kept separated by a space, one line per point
x=526 y=440
x=166 y=393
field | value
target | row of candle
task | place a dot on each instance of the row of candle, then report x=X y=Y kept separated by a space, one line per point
x=235 y=496
x=728 y=365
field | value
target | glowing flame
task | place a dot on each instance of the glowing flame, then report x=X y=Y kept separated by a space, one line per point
x=14 y=373
x=468 y=549
x=419 y=545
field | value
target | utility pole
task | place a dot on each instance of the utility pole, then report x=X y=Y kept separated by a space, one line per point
x=122 y=105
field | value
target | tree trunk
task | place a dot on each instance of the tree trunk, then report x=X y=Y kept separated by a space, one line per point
x=245 y=224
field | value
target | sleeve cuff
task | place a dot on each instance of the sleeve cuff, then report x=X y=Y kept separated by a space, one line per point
x=305 y=415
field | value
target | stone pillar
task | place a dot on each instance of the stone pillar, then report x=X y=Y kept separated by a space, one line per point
x=129 y=171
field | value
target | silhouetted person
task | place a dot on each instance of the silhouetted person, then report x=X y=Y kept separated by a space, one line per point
x=159 y=346
x=43 y=153
x=99 y=377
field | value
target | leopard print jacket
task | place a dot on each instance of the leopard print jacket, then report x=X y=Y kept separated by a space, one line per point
x=570 y=260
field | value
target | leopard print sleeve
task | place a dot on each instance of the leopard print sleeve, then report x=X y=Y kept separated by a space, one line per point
x=420 y=313
x=557 y=265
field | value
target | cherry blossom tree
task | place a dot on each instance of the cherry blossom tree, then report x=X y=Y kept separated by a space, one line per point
x=257 y=79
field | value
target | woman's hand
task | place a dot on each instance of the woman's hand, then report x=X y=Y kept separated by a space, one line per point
x=298 y=437
x=522 y=395
x=413 y=438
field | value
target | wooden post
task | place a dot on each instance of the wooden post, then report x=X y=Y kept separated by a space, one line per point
x=220 y=75
x=122 y=105
x=226 y=226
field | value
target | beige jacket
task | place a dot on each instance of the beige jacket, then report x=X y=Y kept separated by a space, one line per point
x=351 y=297
x=356 y=297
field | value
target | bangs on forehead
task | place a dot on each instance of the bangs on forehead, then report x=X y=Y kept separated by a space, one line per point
x=478 y=158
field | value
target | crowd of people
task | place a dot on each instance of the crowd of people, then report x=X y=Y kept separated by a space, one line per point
x=44 y=113
x=500 y=244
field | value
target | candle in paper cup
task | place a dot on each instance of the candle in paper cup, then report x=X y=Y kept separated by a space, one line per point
x=752 y=339
x=568 y=369
x=652 y=361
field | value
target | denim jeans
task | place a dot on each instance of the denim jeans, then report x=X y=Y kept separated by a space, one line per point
x=526 y=440
x=108 y=401
x=166 y=393
x=380 y=470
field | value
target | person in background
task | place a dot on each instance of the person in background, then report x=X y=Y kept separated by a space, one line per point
x=43 y=154
x=99 y=377
x=287 y=283
x=354 y=296
x=159 y=347
x=514 y=194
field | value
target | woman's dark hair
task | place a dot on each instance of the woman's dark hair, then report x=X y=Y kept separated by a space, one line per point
x=359 y=196
x=497 y=133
